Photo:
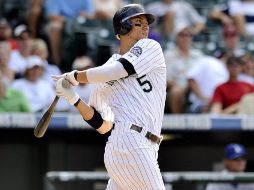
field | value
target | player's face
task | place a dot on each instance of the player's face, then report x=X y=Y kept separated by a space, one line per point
x=140 y=28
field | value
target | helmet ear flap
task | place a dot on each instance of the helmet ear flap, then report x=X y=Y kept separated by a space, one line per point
x=125 y=27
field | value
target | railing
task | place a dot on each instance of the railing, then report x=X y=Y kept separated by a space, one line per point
x=168 y=177
x=171 y=122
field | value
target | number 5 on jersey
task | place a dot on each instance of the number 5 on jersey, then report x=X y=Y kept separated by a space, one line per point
x=145 y=84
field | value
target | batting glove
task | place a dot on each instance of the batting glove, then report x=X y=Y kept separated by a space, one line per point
x=65 y=89
x=70 y=76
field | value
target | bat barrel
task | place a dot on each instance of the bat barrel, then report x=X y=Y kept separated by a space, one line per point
x=42 y=125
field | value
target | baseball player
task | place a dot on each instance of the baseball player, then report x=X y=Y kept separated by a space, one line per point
x=128 y=99
x=234 y=161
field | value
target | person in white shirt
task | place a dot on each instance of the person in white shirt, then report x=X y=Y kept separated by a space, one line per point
x=203 y=78
x=245 y=21
x=179 y=60
x=18 y=57
x=234 y=161
x=5 y=71
x=39 y=93
x=170 y=13
x=40 y=48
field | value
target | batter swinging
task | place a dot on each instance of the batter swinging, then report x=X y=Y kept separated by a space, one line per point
x=128 y=99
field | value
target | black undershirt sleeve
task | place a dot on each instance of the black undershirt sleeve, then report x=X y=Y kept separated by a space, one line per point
x=127 y=66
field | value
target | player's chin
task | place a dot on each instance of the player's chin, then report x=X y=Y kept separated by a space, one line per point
x=143 y=35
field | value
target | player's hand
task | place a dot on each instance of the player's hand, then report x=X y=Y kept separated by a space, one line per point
x=70 y=76
x=65 y=89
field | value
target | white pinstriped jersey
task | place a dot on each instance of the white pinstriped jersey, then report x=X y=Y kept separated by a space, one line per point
x=139 y=98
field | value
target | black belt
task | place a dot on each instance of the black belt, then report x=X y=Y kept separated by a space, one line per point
x=148 y=134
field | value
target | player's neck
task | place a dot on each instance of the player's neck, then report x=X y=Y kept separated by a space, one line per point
x=126 y=45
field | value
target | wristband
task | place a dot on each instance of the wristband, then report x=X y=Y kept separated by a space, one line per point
x=76 y=104
x=76 y=76
x=96 y=121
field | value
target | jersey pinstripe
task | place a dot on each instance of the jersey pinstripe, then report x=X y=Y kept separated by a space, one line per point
x=139 y=98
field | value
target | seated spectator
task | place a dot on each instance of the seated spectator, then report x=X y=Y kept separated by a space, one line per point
x=18 y=57
x=34 y=12
x=39 y=93
x=225 y=12
x=203 y=78
x=6 y=33
x=247 y=72
x=60 y=11
x=227 y=95
x=178 y=62
x=245 y=22
x=231 y=40
x=105 y=9
x=234 y=160
x=5 y=71
x=80 y=64
x=12 y=100
x=39 y=48
x=246 y=104
x=170 y=13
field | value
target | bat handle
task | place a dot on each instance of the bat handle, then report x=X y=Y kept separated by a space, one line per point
x=53 y=104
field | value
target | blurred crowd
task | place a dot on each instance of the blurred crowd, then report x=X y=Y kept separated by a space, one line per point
x=208 y=47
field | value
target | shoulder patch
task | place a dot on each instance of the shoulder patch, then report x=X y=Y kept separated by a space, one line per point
x=136 y=51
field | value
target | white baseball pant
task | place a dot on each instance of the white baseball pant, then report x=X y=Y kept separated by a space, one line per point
x=131 y=160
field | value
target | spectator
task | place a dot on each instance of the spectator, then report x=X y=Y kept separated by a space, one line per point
x=245 y=22
x=247 y=73
x=5 y=71
x=6 y=33
x=18 y=57
x=12 y=100
x=105 y=9
x=246 y=104
x=83 y=89
x=227 y=95
x=170 y=13
x=34 y=13
x=234 y=161
x=203 y=78
x=231 y=38
x=60 y=11
x=38 y=92
x=179 y=61
x=39 y=48
x=225 y=12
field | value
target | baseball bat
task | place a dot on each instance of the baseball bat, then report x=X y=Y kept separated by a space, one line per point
x=42 y=126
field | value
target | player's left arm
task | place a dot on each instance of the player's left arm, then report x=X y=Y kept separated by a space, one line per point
x=89 y=113
x=93 y=117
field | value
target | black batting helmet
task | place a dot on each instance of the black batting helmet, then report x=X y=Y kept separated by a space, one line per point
x=121 y=20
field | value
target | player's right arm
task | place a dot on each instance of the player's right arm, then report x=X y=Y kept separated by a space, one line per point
x=143 y=57
x=101 y=74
